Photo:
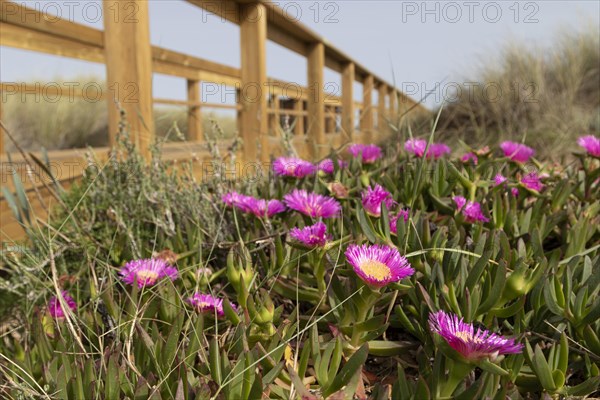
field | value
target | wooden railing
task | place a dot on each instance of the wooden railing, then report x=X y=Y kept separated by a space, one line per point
x=320 y=120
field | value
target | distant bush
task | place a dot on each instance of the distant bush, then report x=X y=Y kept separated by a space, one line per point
x=550 y=96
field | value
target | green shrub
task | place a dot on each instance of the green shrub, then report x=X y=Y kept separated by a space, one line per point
x=306 y=326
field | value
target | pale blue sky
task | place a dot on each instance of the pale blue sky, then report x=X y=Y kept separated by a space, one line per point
x=419 y=44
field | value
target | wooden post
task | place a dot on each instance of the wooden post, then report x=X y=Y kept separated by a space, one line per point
x=276 y=116
x=382 y=117
x=254 y=92
x=299 y=127
x=1 y=130
x=316 y=101
x=329 y=119
x=128 y=57
x=195 y=133
x=394 y=106
x=348 y=99
x=366 y=121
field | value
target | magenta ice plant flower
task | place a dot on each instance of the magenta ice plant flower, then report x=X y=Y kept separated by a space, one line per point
x=147 y=271
x=416 y=146
x=471 y=210
x=55 y=309
x=378 y=265
x=312 y=204
x=591 y=144
x=369 y=153
x=532 y=181
x=372 y=198
x=437 y=150
x=516 y=151
x=469 y=157
x=326 y=166
x=294 y=167
x=252 y=205
x=233 y=199
x=262 y=208
x=208 y=304
x=473 y=345
x=394 y=220
x=311 y=236
x=499 y=179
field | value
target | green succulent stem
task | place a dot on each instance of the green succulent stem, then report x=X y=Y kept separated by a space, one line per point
x=456 y=373
x=364 y=303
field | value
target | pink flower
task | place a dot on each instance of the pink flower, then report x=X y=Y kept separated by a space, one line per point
x=437 y=150
x=312 y=204
x=532 y=182
x=262 y=208
x=252 y=205
x=55 y=309
x=591 y=144
x=469 y=157
x=394 y=220
x=294 y=167
x=514 y=192
x=233 y=199
x=208 y=304
x=499 y=179
x=311 y=236
x=471 y=210
x=378 y=265
x=368 y=153
x=147 y=272
x=372 y=199
x=326 y=166
x=516 y=151
x=472 y=345
x=416 y=146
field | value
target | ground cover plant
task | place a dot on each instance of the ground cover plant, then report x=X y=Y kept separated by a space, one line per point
x=409 y=273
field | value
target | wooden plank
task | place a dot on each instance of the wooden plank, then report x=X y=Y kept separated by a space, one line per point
x=173 y=57
x=1 y=130
x=330 y=115
x=282 y=111
x=299 y=117
x=366 y=120
x=194 y=133
x=348 y=100
x=254 y=119
x=316 y=99
x=129 y=71
x=394 y=106
x=274 y=116
x=382 y=116
x=33 y=40
x=19 y=15
x=280 y=37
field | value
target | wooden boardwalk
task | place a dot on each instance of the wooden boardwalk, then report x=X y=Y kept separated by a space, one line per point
x=320 y=120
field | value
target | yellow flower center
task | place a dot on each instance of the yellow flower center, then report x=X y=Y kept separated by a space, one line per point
x=147 y=276
x=467 y=337
x=375 y=270
x=203 y=305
